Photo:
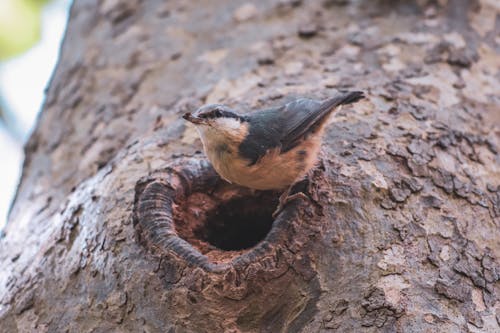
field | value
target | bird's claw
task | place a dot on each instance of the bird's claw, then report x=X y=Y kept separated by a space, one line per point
x=284 y=200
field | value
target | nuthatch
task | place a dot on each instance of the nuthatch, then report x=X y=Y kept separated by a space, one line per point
x=268 y=149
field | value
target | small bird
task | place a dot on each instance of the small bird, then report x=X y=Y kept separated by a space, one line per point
x=268 y=149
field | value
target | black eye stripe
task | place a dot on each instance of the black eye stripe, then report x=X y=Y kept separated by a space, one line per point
x=219 y=113
x=211 y=114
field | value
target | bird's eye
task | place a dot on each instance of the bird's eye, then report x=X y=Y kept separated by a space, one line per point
x=217 y=113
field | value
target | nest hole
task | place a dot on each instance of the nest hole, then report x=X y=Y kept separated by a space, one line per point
x=221 y=222
x=187 y=210
x=237 y=225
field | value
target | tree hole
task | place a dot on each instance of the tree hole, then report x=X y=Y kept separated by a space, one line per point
x=188 y=211
x=226 y=221
x=238 y=224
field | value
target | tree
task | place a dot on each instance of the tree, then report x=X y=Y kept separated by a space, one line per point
x=121 y=225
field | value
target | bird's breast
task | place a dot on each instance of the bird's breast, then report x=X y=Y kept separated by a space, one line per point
x=272 y=171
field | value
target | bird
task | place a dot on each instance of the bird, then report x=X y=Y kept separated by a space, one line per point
x=267 y=149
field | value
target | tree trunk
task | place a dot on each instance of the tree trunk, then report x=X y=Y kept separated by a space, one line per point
x=121 y=225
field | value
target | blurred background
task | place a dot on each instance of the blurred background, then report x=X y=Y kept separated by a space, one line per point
x=31 y=32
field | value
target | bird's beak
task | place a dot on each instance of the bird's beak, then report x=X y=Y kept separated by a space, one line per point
x=195 y=120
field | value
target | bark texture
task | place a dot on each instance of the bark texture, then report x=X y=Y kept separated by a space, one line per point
x=121 y=225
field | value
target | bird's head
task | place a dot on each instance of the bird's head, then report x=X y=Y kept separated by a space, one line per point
x=216 y=120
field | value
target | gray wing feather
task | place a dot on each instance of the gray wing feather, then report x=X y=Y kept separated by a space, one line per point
x=284 y=127
x=306 y=114
x=297 y=118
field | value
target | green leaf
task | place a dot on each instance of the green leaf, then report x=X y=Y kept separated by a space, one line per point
x=20 y=26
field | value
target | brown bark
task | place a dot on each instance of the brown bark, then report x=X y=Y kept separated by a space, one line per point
x=120 y=225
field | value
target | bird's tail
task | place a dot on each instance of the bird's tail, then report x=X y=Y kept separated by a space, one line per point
x=344 y=98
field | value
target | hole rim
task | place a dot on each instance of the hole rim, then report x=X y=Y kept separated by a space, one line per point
x=154 y=222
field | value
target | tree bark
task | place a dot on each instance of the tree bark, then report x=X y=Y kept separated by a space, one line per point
x=121 y=225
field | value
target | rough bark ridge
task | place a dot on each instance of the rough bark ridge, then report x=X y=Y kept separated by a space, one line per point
x=119 y=225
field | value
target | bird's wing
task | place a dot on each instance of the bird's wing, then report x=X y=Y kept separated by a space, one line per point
x=284 y=127
x=304 y=115
x=296 y=119
x=265 y=131
x=271 y=128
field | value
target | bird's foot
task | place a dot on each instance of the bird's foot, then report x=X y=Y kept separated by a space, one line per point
x=285 y=198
